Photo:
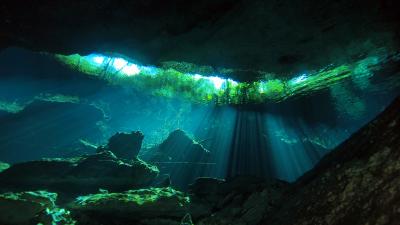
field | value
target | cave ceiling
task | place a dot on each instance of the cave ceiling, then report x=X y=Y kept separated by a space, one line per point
x=279 y=37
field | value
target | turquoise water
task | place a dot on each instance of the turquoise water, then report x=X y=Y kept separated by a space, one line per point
x=50 y=110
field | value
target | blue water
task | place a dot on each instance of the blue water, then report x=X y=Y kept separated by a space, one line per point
x=46 y=110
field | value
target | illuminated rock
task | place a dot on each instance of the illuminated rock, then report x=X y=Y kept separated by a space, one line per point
x=144 y=206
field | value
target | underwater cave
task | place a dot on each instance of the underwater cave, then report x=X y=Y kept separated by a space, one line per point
x=223 y=112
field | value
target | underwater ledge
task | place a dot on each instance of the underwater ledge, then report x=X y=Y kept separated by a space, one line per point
x=357 y=183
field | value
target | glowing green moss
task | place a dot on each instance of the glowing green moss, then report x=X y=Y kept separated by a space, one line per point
x=133 y=198
x=176 y=80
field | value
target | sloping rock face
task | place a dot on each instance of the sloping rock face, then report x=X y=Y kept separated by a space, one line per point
x=358 y=183
x=179 y=147
x=33 y=207
x=239 y=200
x=144 y=207
x=78 y=175
x=124 y=145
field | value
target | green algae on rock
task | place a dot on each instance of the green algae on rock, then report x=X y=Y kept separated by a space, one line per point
x=30 y=207
x=145 y=204
x=84 y=174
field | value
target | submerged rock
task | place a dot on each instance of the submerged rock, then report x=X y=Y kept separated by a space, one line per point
x=84 y=174
x=33 y=207
x=124 y=145
x=239 y=200
x=177 y=147
x=180 y=156
x=357 y=183
x=144 y=206
x=180 y=147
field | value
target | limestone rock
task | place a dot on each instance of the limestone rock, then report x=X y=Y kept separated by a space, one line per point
x=179 y=156
x=239 y=200
x=357 y=183
x=179 y=147
x=147 y=205
x=32 y=207
x=79 y=175
x=124 y=145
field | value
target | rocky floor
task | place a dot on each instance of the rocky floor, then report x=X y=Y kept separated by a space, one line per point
x=357 y=183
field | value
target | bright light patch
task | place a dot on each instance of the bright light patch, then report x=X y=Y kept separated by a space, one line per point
x=299 y=79
x=261 y=87
x=119 y=63
x=197 y=76
x=217 y=81
x=150 y=70
x=226 y=91
x=131 y=70
x=98 y=59
x=233 y=83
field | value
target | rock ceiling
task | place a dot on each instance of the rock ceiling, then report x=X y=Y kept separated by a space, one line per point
x=279 y=37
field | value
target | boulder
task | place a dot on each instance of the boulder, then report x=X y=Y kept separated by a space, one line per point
x=180 y=147
x=143 y=206
x=84 y=174
x=180 y=156
x=33 y=207
x=124 y=145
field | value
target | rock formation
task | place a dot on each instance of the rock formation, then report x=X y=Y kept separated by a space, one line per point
x=178 y=147
x=124 y=145
x=240 y=200
x=357 y=183
x=145 y=206
x=81 y=175
x=178 y=155
x=33 y=207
